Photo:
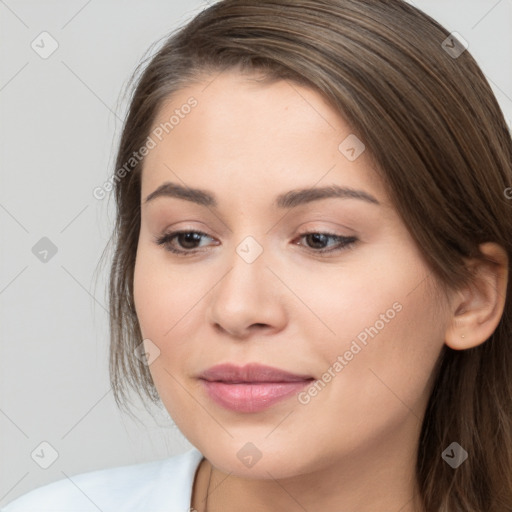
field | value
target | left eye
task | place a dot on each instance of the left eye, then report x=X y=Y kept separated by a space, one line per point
x=188 y=239
x=320 y=238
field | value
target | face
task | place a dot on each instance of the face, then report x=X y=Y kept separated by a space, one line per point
x=332 y=289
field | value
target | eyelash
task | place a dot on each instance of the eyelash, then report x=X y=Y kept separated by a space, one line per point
x=165 y=241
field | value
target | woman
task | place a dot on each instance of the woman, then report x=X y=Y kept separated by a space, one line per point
x=311 y=266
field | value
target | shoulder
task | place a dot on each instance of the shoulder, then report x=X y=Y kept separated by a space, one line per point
x=162 y=485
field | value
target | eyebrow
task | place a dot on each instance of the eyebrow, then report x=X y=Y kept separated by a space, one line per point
x=289 y=199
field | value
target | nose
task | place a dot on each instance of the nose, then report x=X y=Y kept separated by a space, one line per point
x=248 y=298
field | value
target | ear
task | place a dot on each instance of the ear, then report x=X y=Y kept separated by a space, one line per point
x=478 y=307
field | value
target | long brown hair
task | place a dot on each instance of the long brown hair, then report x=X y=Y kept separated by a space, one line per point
x=431 y=122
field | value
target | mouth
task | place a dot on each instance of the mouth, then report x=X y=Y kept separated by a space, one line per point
x=251 y=388
x=250 y=373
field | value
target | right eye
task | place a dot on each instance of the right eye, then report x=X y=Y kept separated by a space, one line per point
x=184 y=238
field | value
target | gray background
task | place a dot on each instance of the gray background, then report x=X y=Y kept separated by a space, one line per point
x=60 y=120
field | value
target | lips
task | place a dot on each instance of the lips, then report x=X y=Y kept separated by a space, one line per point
x=251 y=388
x=252 y=372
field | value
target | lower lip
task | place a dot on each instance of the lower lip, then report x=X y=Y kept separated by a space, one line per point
x=251 y=397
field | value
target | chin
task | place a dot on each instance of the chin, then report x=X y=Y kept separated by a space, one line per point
x=255 y=460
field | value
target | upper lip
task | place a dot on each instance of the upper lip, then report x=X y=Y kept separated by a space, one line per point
x=252 y=372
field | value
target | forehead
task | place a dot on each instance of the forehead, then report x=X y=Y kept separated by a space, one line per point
x=263 y=134
x=225 y=100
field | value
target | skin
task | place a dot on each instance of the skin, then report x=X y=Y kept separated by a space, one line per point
x=353 y=445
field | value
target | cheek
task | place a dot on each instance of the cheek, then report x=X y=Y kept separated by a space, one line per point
x=168 y=299
x=163 y=294
x=340 y=304
x=387 y=345
x=385 y=335
x=163 y=300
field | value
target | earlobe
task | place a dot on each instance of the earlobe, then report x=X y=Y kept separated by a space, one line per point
x=478 y=307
